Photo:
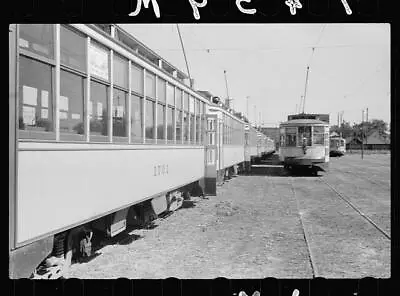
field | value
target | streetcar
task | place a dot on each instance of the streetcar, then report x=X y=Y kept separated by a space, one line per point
x=104 y=133
x=304 y=143
x=337 y=146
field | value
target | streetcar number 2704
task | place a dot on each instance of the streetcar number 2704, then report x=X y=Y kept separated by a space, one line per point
x=160 y=170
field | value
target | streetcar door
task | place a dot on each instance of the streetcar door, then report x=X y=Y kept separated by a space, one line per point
x=211 y=159
x=12 y=38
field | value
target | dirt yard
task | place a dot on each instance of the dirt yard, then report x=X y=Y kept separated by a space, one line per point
x=253 y=228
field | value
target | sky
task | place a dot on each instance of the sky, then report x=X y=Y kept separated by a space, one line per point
x=266 y=66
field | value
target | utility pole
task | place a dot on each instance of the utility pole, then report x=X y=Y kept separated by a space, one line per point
x=362 y=134
x=247 y=107
x=255 y=115
x=366 y=138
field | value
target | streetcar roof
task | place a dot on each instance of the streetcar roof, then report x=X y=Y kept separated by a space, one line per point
x=303 y=122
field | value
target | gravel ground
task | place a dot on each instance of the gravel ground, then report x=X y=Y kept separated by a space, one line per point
x=252 y=229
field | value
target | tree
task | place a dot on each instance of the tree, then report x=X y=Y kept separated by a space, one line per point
x=372 y=126
x=344 y=129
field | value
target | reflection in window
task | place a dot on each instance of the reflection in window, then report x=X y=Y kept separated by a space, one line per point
x=136 y=119
x=71 y=105
x=37 y=38
x=35 y=96
x=170 y=120
x=136 y=79
x=72 y=49
x=119 y=113
x=98 y=111
x=178 y=125
x=150 y=119
x=305 y=135
x=160 y=121
x=98 y=61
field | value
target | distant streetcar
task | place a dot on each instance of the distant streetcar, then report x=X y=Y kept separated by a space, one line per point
x=337 y=146
x=304 y=143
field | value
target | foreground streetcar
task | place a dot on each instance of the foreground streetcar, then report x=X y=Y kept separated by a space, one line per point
x=304 y=143
x=103 y=133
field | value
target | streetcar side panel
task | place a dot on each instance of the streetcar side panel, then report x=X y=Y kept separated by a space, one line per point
x=59 y=188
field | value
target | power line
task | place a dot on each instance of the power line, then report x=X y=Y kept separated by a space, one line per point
x=209 y=49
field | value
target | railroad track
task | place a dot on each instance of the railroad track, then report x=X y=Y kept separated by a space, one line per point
x=311 y=257
x=364 y=178
x=354 y=207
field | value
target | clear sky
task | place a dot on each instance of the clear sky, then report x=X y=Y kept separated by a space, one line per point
x=349 y=69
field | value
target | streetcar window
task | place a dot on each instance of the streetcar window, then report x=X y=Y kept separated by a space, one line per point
x=35 y=98
x=185 y=126
x=72 y=89
x=150 y=119
x=191 y=104
x=72 y=49
x=198 y=126
x=119 y=114
x=98 y=61
x=304 y=135
x=98 y=111
x=192 y=128
x=178 y=99
x=120 y=74
x=211 y=138
x=136 y=119
x=178 y=125
x=170 y=94
x=318 y=135
x=160 y=121
x=150 y=85
x=38 y=39
x=170 y=120
x=136 y=79
x=342 y=143
x=161 y=95
x=186 y=101
x=197 y=105
x=202 y=127
x=290 y=139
